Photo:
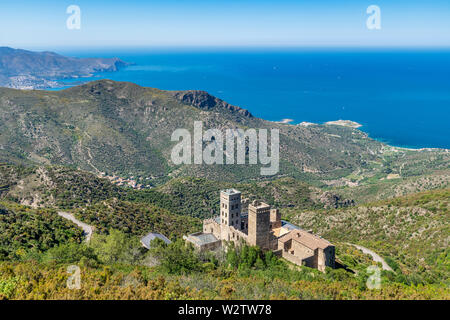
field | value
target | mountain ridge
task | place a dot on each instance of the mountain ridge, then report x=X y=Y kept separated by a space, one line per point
x=120 y=128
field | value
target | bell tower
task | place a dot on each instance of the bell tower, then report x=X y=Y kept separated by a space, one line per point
x=230 y=208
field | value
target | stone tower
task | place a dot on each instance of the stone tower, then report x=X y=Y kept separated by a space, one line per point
x=275 y=218
x=259 y=224
x=230 y=208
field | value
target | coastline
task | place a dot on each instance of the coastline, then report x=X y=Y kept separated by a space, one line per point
x=68 y=82
x=356 y=125
x=395 y=122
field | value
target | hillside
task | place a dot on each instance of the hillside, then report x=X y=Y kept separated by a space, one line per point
x=122 y=129
x=56 y=187
x=69 y=150
x=25 y=69
x=200 y=197
x=114 y=267
x=25 y=231
x=65 y=188
x=411 y=232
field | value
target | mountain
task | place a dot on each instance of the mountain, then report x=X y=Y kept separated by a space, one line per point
x=65 y=188
x=123 y=130
x=62 y=150
x=27 y=69
x=73 y=150
x=411 y=231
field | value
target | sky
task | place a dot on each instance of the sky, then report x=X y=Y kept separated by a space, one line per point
x=224 y=23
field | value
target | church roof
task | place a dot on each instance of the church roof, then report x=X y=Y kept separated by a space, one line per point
x=151 y=236
x=307 y=239
x=201 y=238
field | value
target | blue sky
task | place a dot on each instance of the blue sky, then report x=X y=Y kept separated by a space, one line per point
x=42 y=24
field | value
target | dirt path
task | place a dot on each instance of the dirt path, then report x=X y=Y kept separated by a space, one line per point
x=86 y=228
x=375 y=256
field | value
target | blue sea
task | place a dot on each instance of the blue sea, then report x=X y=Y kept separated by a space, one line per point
x=401 y=97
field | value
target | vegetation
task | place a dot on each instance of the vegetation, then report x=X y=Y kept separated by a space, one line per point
x=199 y=197
x=182 y=273
x=25 y=231
x=137 y=219
x=122 y=129
x=66 y=147
x=411 y=232
x=66 y=188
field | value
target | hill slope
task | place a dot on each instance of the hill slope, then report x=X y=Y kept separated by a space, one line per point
x=412 y=232
x=124 y=129
x=28 y=69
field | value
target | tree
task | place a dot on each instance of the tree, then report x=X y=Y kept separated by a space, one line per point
x=69 y=253
x=176 y=257
x=116 y=247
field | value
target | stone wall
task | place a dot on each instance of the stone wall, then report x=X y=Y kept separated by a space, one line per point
x=301 y=250
x=275 y=218
x=236 y=235
x=224 y=232
x=291 y=258
x=211 y=226
x=211 y=246
x=324 y=258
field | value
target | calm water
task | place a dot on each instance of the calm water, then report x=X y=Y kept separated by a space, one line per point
x=400 y=97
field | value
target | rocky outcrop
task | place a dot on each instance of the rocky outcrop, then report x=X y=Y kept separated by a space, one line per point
x=203 y=100
x=331 y=200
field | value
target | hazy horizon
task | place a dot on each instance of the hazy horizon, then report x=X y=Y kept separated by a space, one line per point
x=225 y=24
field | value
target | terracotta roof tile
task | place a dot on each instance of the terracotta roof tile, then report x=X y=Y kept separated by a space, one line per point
x=307 y=239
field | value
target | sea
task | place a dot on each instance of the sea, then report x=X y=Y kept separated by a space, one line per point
x=399 y=96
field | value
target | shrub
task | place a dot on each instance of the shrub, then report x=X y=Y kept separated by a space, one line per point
x=176 y=257
x=116 y=247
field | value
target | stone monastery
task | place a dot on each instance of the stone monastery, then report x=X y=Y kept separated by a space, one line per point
x=262 y=226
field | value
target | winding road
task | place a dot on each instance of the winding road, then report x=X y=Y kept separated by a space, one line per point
x=86 y=228
x=89 y=229
x=375 y=256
